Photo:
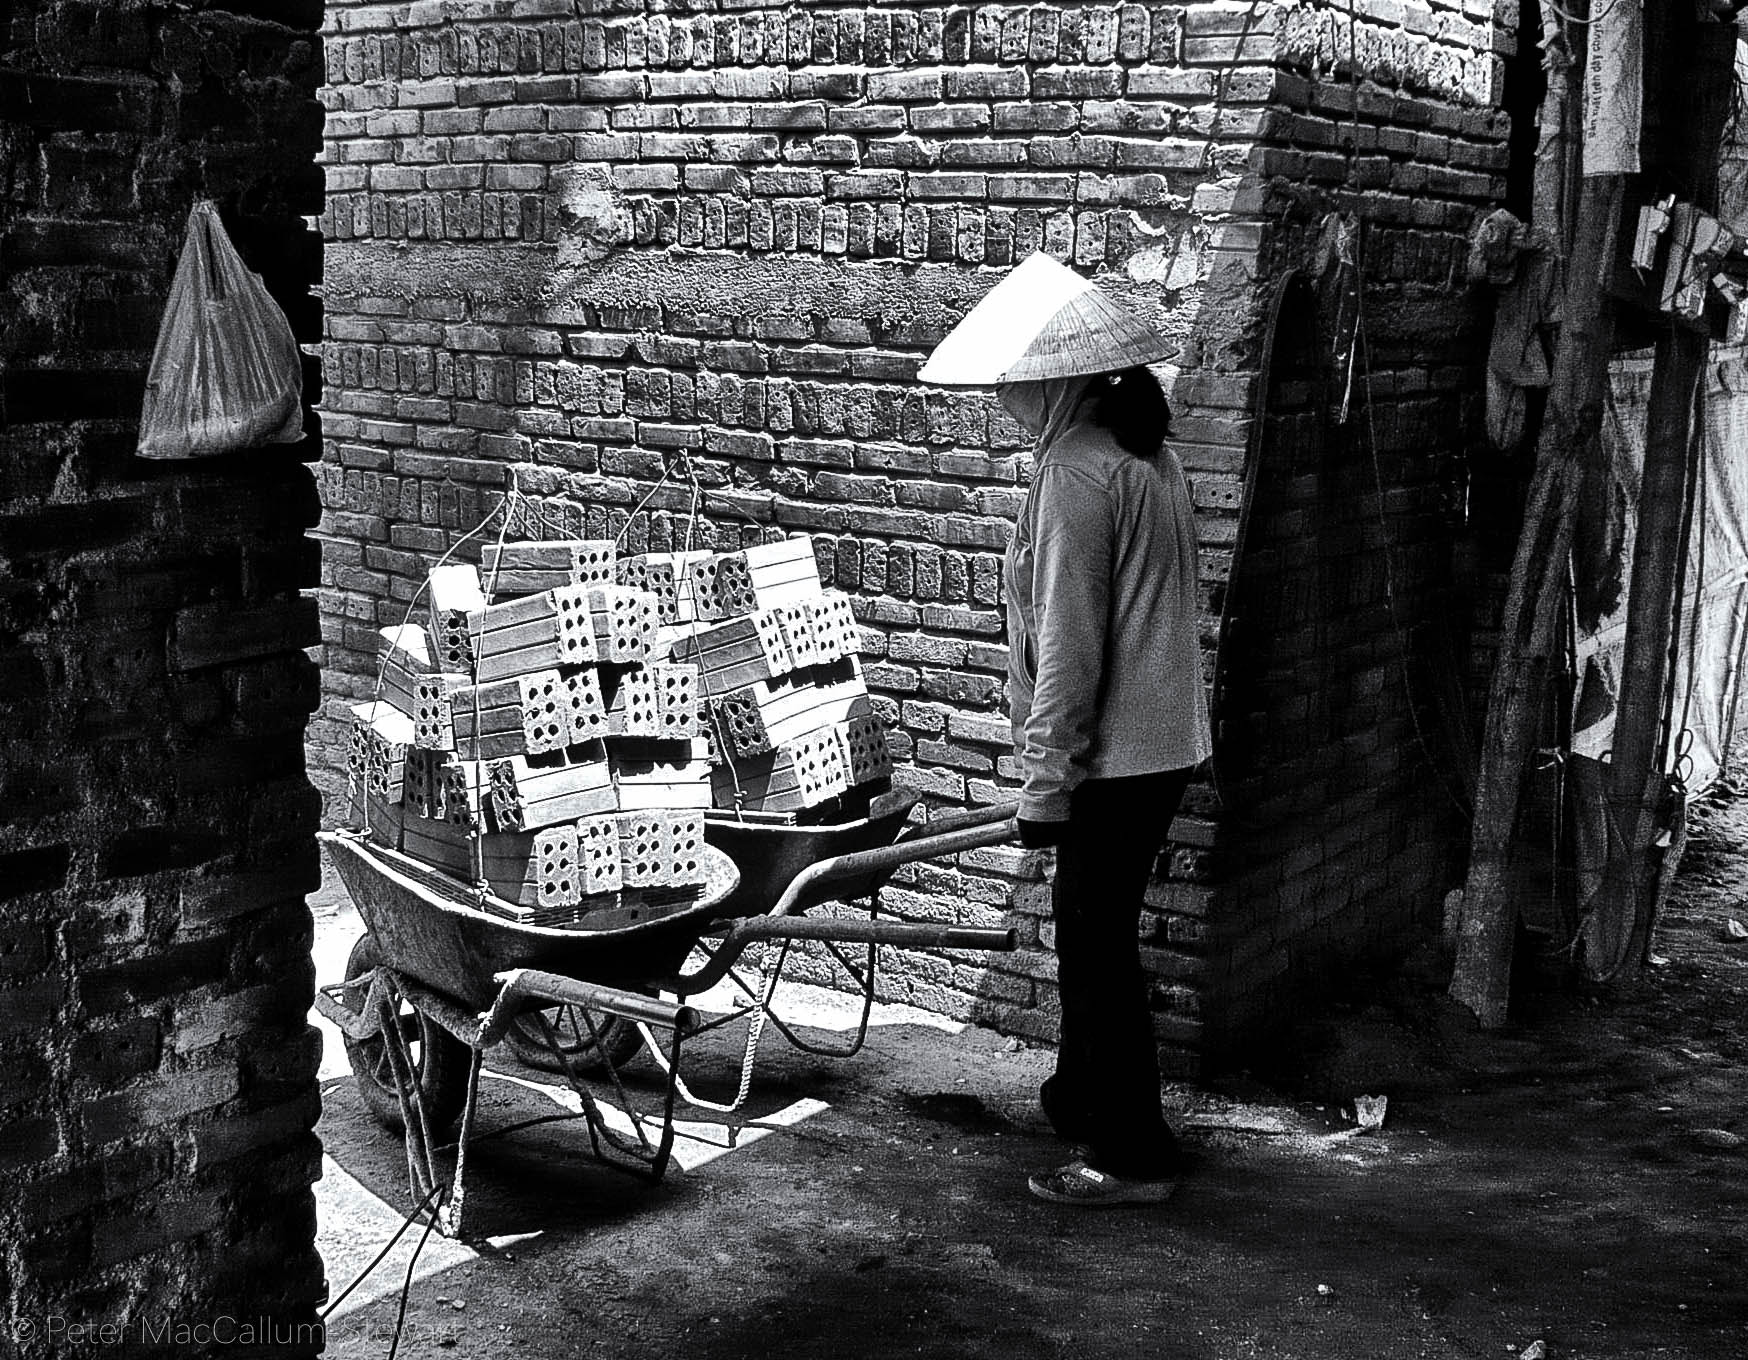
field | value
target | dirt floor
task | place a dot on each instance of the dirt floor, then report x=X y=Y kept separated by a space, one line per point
x=1577 y=1183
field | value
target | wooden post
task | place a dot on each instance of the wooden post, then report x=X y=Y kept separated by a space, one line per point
x=1482 y=977
x=1697 y=77
x=1616 y=933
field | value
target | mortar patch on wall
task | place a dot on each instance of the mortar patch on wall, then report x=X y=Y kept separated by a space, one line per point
x=593 y=216
x=1175 y=259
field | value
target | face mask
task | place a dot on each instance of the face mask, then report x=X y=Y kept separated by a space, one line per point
x=1044 y=405
x=1025 y=402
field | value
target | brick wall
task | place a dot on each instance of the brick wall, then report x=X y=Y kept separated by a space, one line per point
x=597 y=243
x=157 y=1076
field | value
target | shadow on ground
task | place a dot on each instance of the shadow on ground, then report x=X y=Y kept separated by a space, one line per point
x=1578 y=1180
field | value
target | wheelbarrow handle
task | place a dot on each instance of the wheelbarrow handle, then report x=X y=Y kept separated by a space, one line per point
x=954 y=821
x=838 y=931
x=520 y=985
x=884 y=858
x=907 y=933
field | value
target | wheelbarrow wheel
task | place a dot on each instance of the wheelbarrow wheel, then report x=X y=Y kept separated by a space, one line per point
x=440 y=1060
x=619 y=1041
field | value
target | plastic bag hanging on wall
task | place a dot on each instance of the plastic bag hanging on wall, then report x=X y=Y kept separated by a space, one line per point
x=226 y=373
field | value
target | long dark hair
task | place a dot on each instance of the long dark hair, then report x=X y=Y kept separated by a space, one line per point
x=1131 y=405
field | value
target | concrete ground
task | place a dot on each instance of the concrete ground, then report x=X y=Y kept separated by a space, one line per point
x=1576 y=1184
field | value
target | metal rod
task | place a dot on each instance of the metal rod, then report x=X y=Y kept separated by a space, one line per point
x=530 y=984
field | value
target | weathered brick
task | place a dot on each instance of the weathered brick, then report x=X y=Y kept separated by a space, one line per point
x=111 y=1055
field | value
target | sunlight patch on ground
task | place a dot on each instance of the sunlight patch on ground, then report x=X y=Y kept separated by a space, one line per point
x=815 y=1007
x=352 y=1225
x=696 y=1141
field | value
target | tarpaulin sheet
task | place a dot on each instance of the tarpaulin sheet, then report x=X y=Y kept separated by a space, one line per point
x=1708 y=646
x=1714 y=608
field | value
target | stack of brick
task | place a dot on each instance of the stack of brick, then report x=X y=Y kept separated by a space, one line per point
x=529 y=737
x=778 y=666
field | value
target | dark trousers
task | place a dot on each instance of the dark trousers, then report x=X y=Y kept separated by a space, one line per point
x=1105 y=1092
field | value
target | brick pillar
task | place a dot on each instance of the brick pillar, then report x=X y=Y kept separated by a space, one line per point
x=157 y=1075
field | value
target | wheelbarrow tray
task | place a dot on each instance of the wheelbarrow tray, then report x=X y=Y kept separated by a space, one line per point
x=426 y=926
x=770 y=854
x=786 y=867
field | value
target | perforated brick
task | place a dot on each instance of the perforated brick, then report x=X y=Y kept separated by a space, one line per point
x=403 y=655
x=598 y=855
x=517 y=569
x=768 y=623
x=722 y=588
x=433 y=723
x=419 y=787
x=576 y=629
x=451 y=647
x=784 y=571
x=514 y=570
x=798 y=632
x=624 y=621
x=834 y=627
x=635 y=709
x=586 y=711
x=377 y=752
x=451 y=592
x=739 y=726
x=862 y=747
x=632 y=573
x=643 y=850
x=656 y=577
x=387 y=770
x=684 y=848
x=592 y=561
x=506 y=799
x=819 y=767
x=546 y=712
x=558 y=875
x=358 y=756
x=545 y=791
x=685 y=587
x=676 y=699
x=462 y=789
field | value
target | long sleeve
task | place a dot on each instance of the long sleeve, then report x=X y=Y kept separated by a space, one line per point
x=1071 y=575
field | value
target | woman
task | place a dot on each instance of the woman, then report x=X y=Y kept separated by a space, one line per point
x=1109 y=716
x=1105 y=689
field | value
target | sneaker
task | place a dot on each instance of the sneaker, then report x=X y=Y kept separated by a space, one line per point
x=1078 y=1183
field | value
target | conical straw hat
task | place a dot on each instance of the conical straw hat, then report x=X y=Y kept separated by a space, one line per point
x=1042 y=321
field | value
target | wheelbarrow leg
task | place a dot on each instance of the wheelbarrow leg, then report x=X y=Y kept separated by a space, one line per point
x=653 y=1159
x=450 y=1214
x=421 y=1168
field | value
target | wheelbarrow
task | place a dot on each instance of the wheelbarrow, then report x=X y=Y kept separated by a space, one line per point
x=440 y=977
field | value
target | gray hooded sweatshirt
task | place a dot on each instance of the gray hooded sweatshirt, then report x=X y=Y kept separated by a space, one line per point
x=1104 y=658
